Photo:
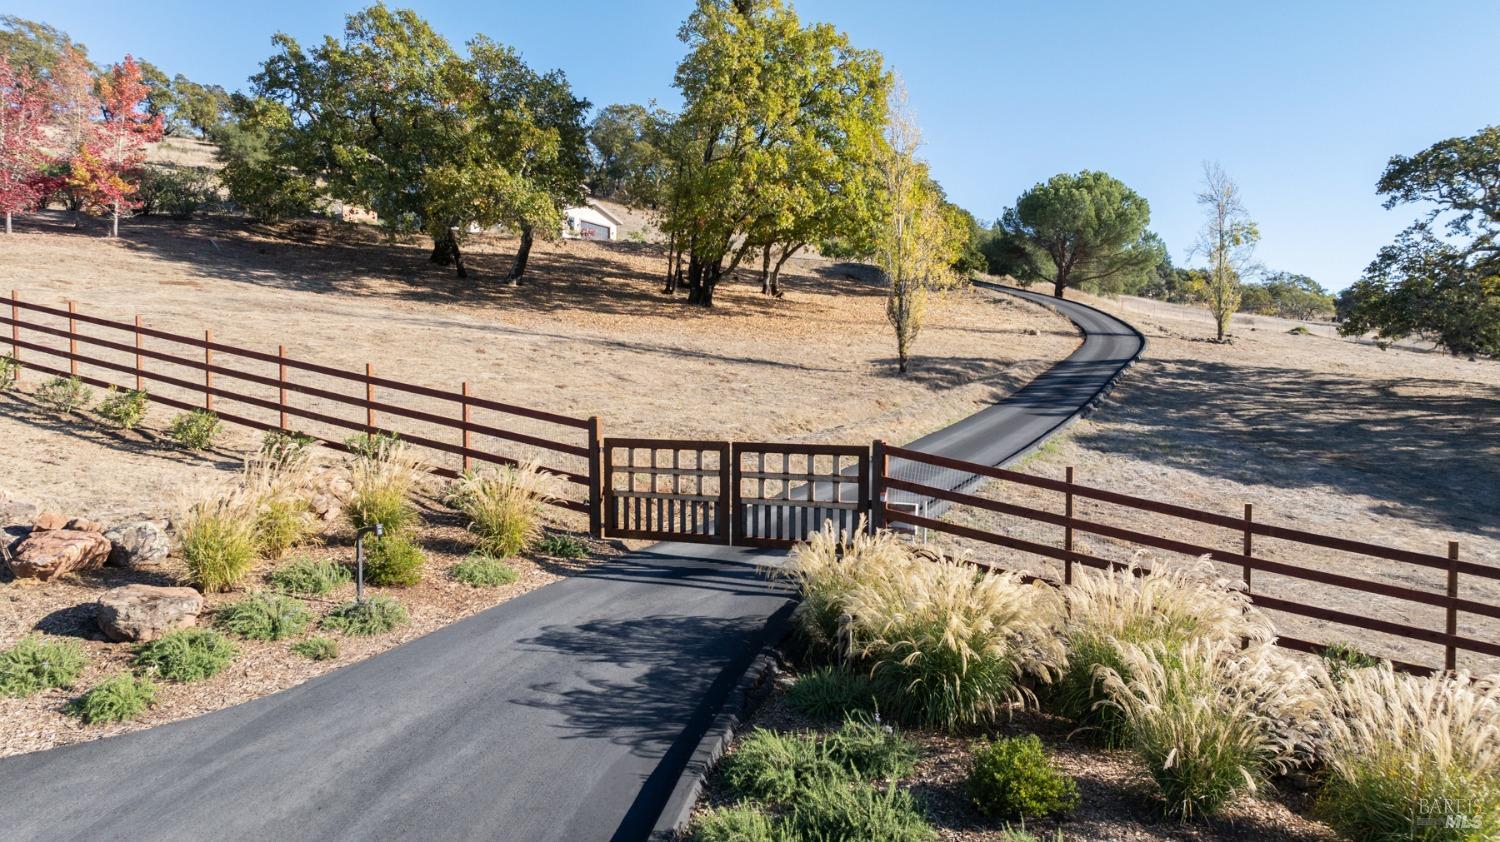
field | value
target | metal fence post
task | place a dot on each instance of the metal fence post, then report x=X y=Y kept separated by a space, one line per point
x=1450 y=655
x=72 y=339
x=208 y=376
x=140 y=367
x=1249 y=543
x=596 y=479
x=467 y=461
x=1068 y=529
x=281 y=384
x=879 y=467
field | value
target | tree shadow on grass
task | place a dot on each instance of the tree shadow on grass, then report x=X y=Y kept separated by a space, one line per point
x=1431 y=453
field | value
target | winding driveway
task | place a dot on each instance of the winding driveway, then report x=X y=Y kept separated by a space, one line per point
x=568 y=713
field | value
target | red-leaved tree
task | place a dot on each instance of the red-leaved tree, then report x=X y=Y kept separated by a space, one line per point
x=24 y=114
x=105 y=171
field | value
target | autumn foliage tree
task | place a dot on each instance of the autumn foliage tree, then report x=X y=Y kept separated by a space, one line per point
x=24 y=112
x=105 y=169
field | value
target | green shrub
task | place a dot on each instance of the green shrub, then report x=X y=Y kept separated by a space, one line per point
x=125 y=409
x=114 y=700
x=737 y=824
x=310 y=577
x=504 y=506
x=777 y=768
x=217 y=537
x=562 y=546
x=1021 y=834
x=64 y=395
x=195 y=430
x=34 y=664
x=870 y=750
x=317 y=648
x=376 y=615
x=1014 y=778
x=185 y=655
x=175 y=191
x=263 y=616
x=392 y=561
x=1342 y=658
x=831 y=693
x=830 y=810
x=10 y=371
x=482 y=571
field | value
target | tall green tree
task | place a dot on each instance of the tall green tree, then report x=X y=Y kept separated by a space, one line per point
x=392 y=119
x=34 y=46
x=1228 y=241
x=628 y=164
x=1440 y=280
x=775 y=140
x=1080 y=229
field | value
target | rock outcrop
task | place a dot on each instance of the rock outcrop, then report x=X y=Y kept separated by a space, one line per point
x=45 y=554
x=138 y=544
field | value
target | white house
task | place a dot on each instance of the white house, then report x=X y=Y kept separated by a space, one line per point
x=590 y=222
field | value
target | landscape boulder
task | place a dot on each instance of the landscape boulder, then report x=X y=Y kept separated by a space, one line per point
x=83 y=524
x=146 y=612
x=47 y=521
x=43 y=555
x=137 y=544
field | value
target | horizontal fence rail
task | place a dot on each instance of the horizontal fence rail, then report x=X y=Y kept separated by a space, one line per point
x=206 y=375
x=1071 y=526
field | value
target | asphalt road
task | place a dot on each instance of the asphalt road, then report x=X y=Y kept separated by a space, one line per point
x=567 y=714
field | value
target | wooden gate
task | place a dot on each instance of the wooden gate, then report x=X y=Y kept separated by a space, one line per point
x=782 y=492
x=667 y=489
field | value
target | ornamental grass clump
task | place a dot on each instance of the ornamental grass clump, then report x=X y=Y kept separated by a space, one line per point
x=943 y=644
x=831 y=693
x=1212 y=721
x=283 y=514
x=217 y=537
x=381 y=487
x=1410 y=757
x=504 y=505
x=317 y=648
x=1170 y=604
x=34 y=664
x=839 y=810
x=115 y=699
x=949 y=646
x=482 y=571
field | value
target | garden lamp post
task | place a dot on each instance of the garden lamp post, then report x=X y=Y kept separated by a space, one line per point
x=359 y=559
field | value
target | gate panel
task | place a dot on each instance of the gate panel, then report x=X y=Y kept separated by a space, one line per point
x=667 y=489
x=783 y=492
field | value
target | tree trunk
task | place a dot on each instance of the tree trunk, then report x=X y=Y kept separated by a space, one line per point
x=776 y=270
x=523 y=253
x=1059 y=285
x=7 y=222
x=443 y=249
x=765 y=270
x=114 y=225
x=671 y=285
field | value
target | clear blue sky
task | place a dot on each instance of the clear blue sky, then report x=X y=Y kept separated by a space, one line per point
x=1301 y=102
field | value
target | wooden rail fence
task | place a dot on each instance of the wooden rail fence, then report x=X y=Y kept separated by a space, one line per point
x=721 y=491
x=1246 y=527
x=374 y=400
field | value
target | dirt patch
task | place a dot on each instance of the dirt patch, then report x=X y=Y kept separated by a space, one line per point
x=589 y=334
x=1395 y=447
